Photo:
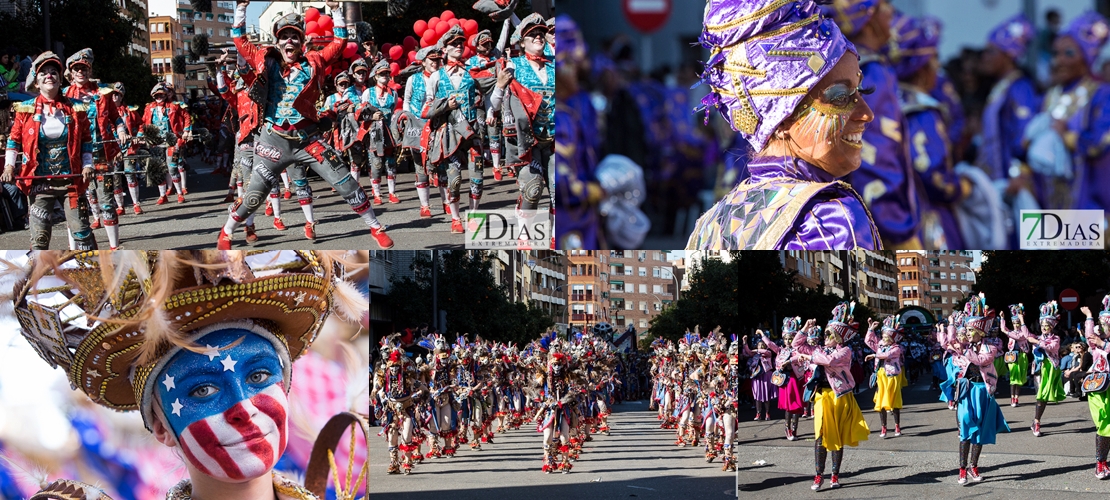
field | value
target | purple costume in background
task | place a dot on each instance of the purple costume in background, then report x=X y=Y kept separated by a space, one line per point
x=930 y=148
x=884 y=178
x=757 y=83
x=952 y=108
x=1011 y=104
x=577 y=223
x=1085 y=106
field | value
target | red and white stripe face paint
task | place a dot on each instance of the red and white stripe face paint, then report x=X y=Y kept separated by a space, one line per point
x=243 y=442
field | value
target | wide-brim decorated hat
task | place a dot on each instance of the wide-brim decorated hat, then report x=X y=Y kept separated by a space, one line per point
x=979 y=317
x=1049 y=313
x=843 y=324
x=112 y=319
x=892 y=325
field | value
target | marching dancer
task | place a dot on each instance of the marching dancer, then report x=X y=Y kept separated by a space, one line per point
x=290 y=133
x=792 y=369
x=133 y=120
x=486 y=56
x=1046 y=351
x=760 y=363
x=379 y=102
x=1017 y=357
x=410 y=126
x=1096 y=386
x=107 y=125
x=889 y=376
x=978 y=415
x=175 y=124
x=837 y=420
x=54 y=137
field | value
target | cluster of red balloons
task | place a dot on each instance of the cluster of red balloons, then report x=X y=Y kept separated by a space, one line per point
x=317 y=25
x=431 y=30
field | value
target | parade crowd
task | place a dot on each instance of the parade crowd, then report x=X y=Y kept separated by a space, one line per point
x=947 y=158
x=319 y=98
x=810 y=373
x=466 y=393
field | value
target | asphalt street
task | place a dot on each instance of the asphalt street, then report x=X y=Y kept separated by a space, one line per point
x=196 y=223
x=924 y=461
x=410 y=232
x=638 y=460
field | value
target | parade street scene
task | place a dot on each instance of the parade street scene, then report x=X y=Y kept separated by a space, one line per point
x=913 y=373
x=545 y=378
x=831 y=124
x=374 y=123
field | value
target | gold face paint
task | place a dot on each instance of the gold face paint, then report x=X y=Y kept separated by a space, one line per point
x=826 y=116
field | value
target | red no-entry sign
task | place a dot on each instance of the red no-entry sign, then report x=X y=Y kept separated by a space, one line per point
x=1069 y=299
x=646 y=16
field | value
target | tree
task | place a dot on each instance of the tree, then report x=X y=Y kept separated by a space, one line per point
x=475 y=303
x=710 y=302
x=96 y=24
x=1035 y=277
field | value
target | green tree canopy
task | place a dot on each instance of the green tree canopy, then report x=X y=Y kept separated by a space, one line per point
x=475 y=303
x=1031 y=278
x=710 y=302
x=100 y=25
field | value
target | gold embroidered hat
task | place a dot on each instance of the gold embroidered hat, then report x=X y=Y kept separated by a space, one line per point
x=112 y=319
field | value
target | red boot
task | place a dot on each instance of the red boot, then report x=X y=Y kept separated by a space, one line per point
x=224 y=241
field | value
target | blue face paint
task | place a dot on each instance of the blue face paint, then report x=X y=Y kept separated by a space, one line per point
x=195 y=386
x=227 y=406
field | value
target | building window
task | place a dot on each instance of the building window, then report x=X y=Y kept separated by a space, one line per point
x=643 y=272
x=643 y=323
x=944 y=288
x=655 y=272
x=628 y=270
x=628 y=306
x=643 y=306
x=657 y=288
x=658 y=306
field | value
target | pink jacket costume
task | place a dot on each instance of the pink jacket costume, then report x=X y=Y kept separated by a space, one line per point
x=890 y=356
x=837 y=361
x=1019 y=335
x=982 y=354
x=1050 y=343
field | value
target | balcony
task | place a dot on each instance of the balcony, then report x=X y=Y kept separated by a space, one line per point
x=581 y=297
x=589 y=318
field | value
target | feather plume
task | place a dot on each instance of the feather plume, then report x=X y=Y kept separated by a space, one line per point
x=349 y=303
x=33 y=473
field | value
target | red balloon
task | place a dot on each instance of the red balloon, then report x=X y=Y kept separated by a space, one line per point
x=311 y=27
x=410 y=42
x=412 y=56
x=325 y=22
x=442 y=28
x=433 y=22
x=467 y=53
x=311 y=14
x=471 y=27
x=447 y=15
x=385 y=48
x=350 y=50
x=428 y=39
x=395 y=52
x=419 y=26
x=453 y=22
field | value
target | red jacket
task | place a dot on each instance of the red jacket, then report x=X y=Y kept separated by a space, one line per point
x=180 y=119
x=25 y=133
x=305 y=103
x=107 y=116
x=133 y=121
x=247 y=110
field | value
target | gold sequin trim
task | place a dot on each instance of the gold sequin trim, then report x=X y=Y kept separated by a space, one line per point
x=754 y=15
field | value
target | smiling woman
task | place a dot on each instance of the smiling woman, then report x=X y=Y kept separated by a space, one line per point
x=788 y=81
x=202 y=344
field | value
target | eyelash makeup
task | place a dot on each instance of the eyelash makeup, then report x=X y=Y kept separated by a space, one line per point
x=825 y=118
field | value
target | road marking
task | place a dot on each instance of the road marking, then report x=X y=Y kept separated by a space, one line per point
x=641 y=488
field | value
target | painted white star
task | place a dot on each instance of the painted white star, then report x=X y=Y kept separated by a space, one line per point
x=177 y=406
x=169 y=383
x=211 y=352
x=229 y=364
x=93 y=373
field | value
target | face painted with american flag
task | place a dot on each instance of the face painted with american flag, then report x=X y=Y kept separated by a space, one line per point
x=227 y=407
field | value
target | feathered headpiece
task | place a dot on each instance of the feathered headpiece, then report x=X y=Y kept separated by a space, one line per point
x=1104 y=315
x=791 y=324
x=1048 y=313
x=735 y=347
x=1017 y=313
x=843 y=324
x=979 y=317
x=893 y=325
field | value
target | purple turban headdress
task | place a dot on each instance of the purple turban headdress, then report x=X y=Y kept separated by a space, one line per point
x=1013 y=36
x=851 y=15
x=569 y=45
x=1090 y=31
x=766 y=56
x=915 y=43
